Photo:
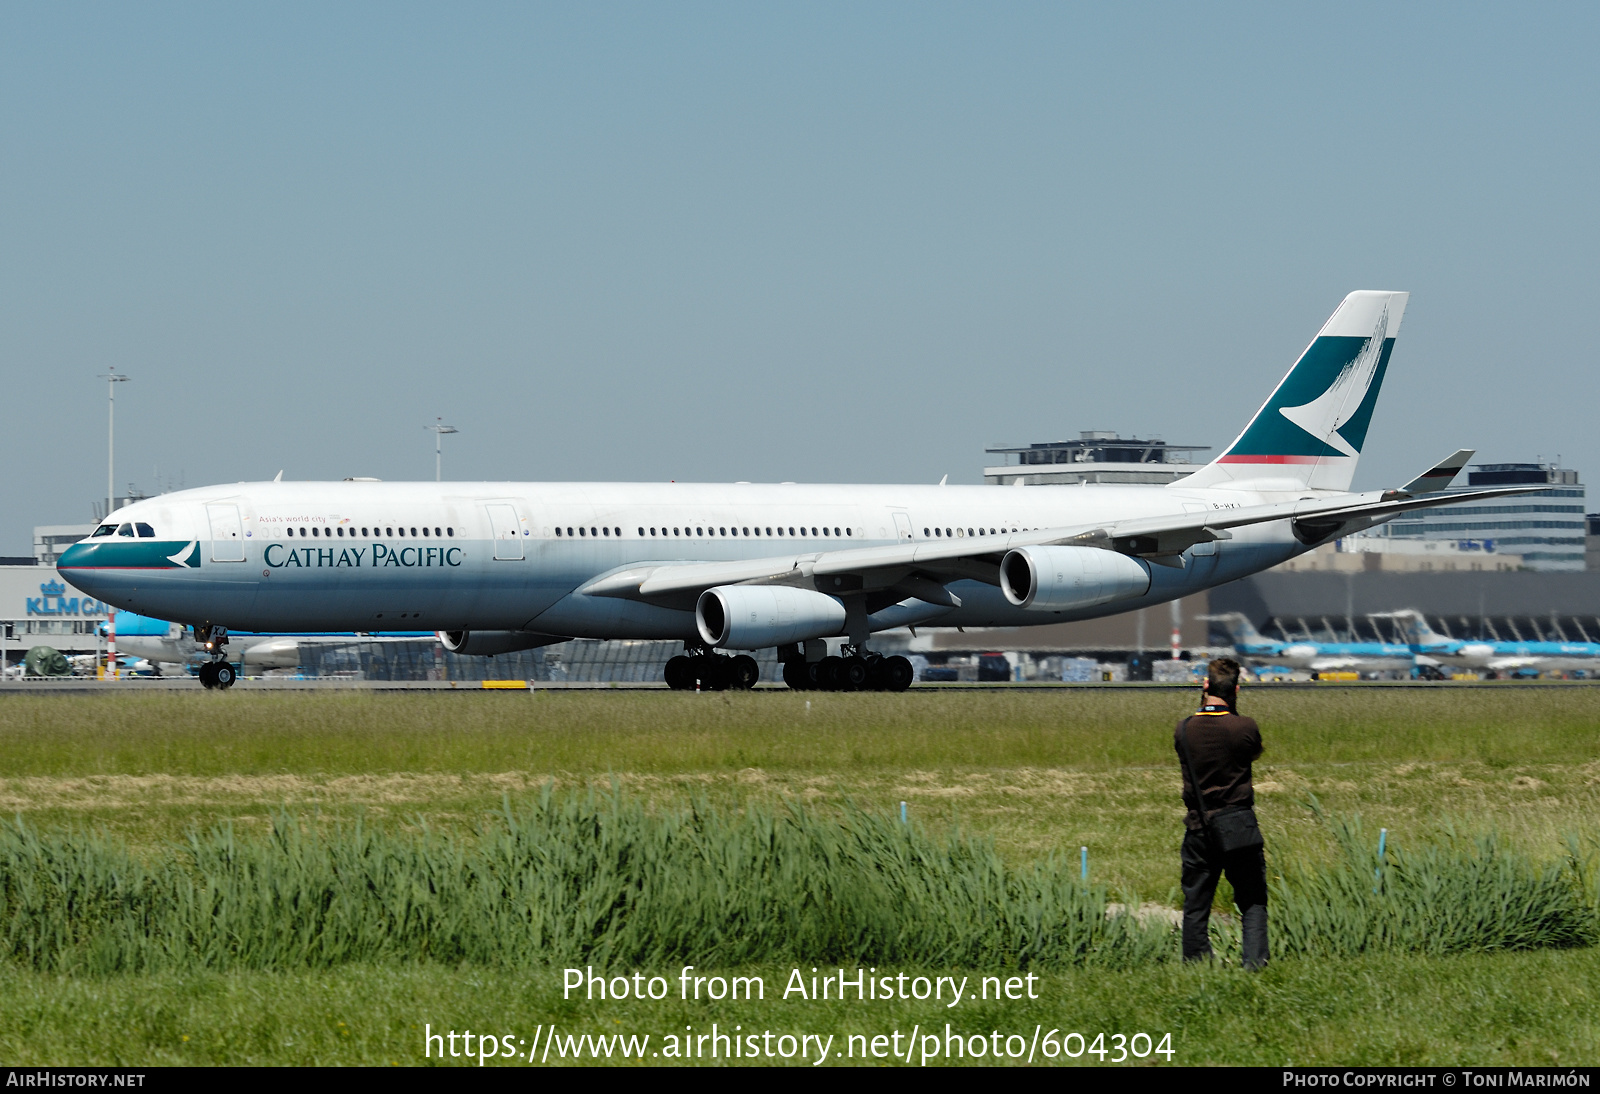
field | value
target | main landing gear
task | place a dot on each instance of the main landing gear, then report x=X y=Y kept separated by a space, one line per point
x=699 y=669
x=216 y=673
x=858 y=670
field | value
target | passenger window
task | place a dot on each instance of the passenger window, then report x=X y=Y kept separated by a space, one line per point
x=389 y=531
x=605 y=531
x=847 y=533
x=583 y=531
x=593 y=531
x=699 y=531
x=424 y=531
x=938 y=532
x=813 y=529
x=145 y=531
x=558 y=533
x=791 y=529
x=363 y=529
x=339 y=531
x=652 y=531
x=969 y=531
x=450 y=532
x=413 y=531
x=674 y=531
x=926 y=533
x=947 y=532
x=618 y=531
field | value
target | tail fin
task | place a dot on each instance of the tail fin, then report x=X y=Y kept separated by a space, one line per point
x=1415 y=625
x=1240 y=629
x=1309 y=433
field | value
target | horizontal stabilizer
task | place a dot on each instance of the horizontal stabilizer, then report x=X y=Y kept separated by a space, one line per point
x=1440 y=475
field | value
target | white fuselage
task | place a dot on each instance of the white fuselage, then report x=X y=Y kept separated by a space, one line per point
x=370 y=556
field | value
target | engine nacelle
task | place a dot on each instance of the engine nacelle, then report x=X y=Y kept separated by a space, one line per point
x=489 y=643
x=752 y=617
x=1062 y=578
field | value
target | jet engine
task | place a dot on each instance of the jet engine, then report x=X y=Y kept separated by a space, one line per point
x=1063 y=578
x=489 y=643
x=751 y=617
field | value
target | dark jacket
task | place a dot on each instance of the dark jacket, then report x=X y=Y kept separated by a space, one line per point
x=1222 y=747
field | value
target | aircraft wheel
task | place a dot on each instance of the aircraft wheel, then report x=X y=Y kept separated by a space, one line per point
x=897 y=673
x=222 y=675
x=855 y=674
x=713 y=673
x=796 y=676
x=679 y=674
x=830 y=673
x=207 y=674
x=743 y=672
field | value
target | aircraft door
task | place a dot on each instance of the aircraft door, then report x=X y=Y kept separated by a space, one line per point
x=506 y=528
x=227 y=533
x=902 y=526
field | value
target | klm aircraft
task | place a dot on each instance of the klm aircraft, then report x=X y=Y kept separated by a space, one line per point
x=1495 y=657
x=163 y=643
x=495 y=567
x=1252 y=646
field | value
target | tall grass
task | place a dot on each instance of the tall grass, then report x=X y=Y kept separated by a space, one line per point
x=1455 y=895
x=572 y=879
x=599 y=879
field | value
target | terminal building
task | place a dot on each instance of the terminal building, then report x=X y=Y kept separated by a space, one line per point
x=1546 y=529
x=1096 y=456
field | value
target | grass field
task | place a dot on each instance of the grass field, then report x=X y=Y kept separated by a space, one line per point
x=1037 y=772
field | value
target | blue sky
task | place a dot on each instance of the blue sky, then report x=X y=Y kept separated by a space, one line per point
x=855 y=242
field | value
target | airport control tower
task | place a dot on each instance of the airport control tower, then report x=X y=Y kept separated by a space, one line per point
x=1096 y=456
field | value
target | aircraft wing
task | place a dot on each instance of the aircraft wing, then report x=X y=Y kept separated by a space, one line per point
x=920 y=569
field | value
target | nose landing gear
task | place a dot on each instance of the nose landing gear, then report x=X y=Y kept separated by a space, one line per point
x=216 y=673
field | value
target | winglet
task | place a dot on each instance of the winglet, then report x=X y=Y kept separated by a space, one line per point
x=279 y=476
x=1440 y=475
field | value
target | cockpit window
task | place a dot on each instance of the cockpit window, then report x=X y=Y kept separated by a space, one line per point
x=145 y=531
x=126 y=530
x=103 y=530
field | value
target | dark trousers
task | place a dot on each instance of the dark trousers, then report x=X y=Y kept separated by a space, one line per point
x=1203 y=867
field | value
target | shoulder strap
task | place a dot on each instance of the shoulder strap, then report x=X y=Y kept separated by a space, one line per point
x=1183 y=751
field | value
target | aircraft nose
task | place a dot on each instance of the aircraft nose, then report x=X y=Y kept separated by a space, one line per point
x=93 y=569
x=75 y=557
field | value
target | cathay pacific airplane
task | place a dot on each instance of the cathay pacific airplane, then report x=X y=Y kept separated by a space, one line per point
x=1495 y=657
x=495 y=567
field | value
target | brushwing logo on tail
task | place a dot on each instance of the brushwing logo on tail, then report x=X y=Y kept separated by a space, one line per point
x=1326 y=415
x=1323 y=407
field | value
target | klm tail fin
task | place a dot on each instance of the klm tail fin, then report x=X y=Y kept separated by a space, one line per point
x=1415 y=625
x=1310 y=432
x=1240 y=629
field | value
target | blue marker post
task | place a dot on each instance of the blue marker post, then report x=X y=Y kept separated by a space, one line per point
x=1083 y=862
x=1377 y=875
x=902 y=812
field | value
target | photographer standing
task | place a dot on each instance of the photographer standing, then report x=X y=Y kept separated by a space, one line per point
x=1215 y=750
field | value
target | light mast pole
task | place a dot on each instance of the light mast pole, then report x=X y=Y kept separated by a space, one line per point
x=439 y=429
x=113 y=378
